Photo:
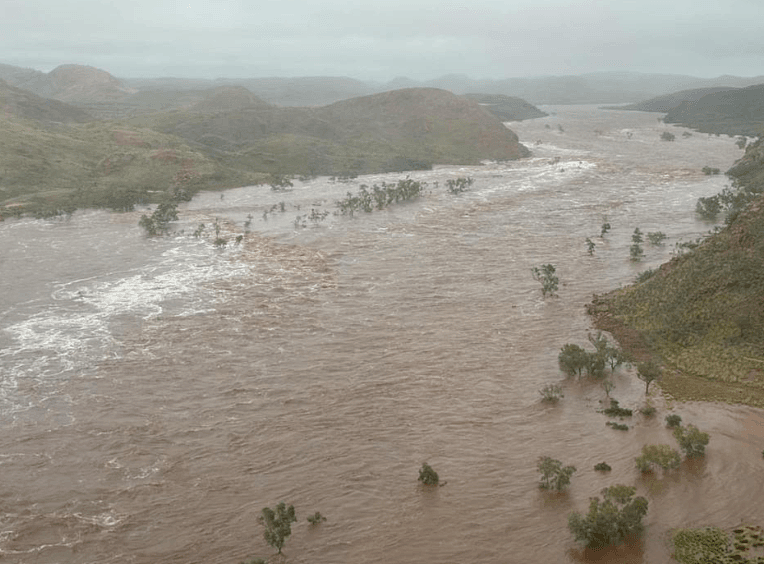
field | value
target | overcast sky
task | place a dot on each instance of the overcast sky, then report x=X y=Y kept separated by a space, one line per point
x=384 y=39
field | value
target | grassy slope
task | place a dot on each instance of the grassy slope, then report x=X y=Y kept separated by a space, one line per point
x=84 y=164
x=703 y=313
x=392 y=131
x=734 y=112
x=670 y=101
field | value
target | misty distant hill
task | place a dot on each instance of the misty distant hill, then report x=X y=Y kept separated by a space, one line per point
x=24 y=104
x=391 y=131
x=68 y=83
x=592 y=88
x=734 y=112
x=228 y=98
x=670 y=101
x=507 y=108
x=110 y=97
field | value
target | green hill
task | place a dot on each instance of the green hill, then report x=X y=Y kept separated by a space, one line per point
x=734 y=112
x=48 y=170
x=229 y=137
x=702 y=313
x=392 y=131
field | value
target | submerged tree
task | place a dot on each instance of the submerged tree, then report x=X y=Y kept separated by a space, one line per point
x=658 y=455
x=546 y=275
x=572 y=359
x=159 y=222
x=611 y=519
x=428 y=476
x=691 y=440
x=278 y=524
x=635 y=250
x=554 y=476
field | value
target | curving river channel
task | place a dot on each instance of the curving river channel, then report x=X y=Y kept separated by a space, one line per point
x=156 y=394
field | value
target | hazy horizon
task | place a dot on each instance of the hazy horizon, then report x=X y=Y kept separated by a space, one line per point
x=417 y=39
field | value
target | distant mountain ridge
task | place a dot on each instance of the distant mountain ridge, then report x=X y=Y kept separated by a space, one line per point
x=591 y=88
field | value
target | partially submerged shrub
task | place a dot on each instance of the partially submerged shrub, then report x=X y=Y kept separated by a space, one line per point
x=667 y=136
x=647 y=410
x=546 y=275
x=602 y=467
x=459 y=185
x=708 y=208
x=635 y=251
x=659 y=455
x=428 y=476
x=656 y=237
x=611 y=519
x=673 y=420
x=617 y=426
x=691 y=440
x=551 y=393
x=572 y=359
x=159 y=222
x=316 y=518
x=554 y=476
x=616 y=410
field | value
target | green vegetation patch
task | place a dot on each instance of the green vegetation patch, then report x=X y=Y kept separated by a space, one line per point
x=711 y=545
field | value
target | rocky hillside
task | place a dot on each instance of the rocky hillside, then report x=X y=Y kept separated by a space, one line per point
x=702 y=313
x=734 y=112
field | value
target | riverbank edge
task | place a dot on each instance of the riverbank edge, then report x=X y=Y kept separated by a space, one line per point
x=674 y=383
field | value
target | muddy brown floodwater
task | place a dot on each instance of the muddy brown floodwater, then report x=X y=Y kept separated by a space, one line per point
x=157 y=394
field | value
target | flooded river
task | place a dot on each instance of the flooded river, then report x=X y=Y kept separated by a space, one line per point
x=156 y=394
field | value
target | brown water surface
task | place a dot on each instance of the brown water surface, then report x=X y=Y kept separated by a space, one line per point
x=157 y=394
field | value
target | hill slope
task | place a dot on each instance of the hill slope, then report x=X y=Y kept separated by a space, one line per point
x=22 y=103
x=703 y=312
x=668 y=102
x=507 y=108
x=392 y=131
x=734 y=112
x=46 y=170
